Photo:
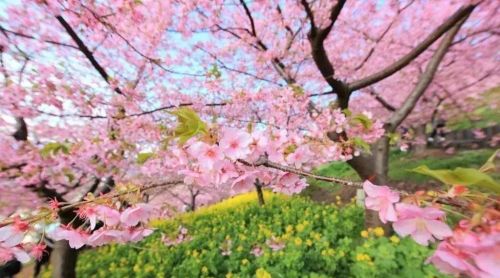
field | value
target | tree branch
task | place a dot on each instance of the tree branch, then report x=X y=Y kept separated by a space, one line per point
x=22 y=35
x=425 y=78
x=83 y=48
x=316 y=39
x=382 y=101
x=249 y=15
x=459 y=15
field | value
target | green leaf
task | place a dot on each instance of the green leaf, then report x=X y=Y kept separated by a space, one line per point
x=189 y=124
x=462 y=176
x=360 y=143
x=54 y=148
x=214 y=71
x=297 y=90
x=393 y=137
x=143 y=157
x=363 y=120
x=489 y=165
x=347 y=112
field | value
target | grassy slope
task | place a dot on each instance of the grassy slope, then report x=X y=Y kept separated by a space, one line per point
x=319 y=241
x=399 y=165
x=482 y=116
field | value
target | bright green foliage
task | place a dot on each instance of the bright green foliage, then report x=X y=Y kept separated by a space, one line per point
x=490 y=165
x=214 y=72
x=321 y=241
x=189 y=124
x=143 y=157
x=53 y=148
x=462 y=176
x=381 y=256
x=360 y=143
x=363 y=120
x=481 y=117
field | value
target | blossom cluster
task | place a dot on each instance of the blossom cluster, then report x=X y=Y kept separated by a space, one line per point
x=471 y=248
x=114 y=226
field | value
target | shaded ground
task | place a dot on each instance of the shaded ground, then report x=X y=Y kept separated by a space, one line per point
x=400 y=175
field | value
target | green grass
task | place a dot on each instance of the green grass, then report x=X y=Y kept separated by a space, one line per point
x=318 y=241
x=401 y=163
x=482 y=116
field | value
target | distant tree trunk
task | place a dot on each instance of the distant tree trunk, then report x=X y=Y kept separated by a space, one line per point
x=260 y=193
x=63 y=260
x=421 y=138
x=373 y=167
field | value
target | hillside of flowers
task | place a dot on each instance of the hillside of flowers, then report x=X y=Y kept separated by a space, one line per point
x=288 y=237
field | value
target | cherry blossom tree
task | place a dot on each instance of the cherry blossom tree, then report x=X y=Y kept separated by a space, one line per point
x=216 y=97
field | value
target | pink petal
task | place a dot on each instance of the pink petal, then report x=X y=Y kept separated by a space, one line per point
x=405 y=227
x=489 y=261
x=422 y=236
x=438 y=229
x=389 y=214
x=370 y=188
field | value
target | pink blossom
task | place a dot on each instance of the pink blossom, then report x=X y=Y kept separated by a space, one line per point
x=275 y=244
x=450 y=260
x=244 y=182
x=135 y=234
x=19 y=253
x=207 y=155
x=109 y=216
x=133 y=215
x=257 y=251
x=88 y=212
x=300 y=156
x=289 y=183
x=13 y=234
x=104 y=236
x=381 y=199
x=75 y=238
x=5 y=254
x=37 y=251
x=475 y=254
x=483 y=249
x=423 y=224
x=235 y=143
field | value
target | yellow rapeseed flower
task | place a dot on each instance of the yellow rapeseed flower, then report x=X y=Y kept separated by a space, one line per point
x=394 y=239
x=364 y=234
x=300 y=228
x=362 y=257
x=359 y=257
x=262 y=273
x=204 y=270
x=229 y=275
x=289 y=229
x=298 y=241
x=309 y=242
x=239 y=249
x=317 y=236
x=378 y=231
x=432 y=193
x=244 y=262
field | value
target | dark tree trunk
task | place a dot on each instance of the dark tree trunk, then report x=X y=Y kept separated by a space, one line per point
x=63 y=260
x=421 y=137
x=374 y=168
x=260 y=193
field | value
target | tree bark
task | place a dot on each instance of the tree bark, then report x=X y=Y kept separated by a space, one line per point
x=373 y=167
x=63 y=260
x=260 y=193
x=421 y=137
